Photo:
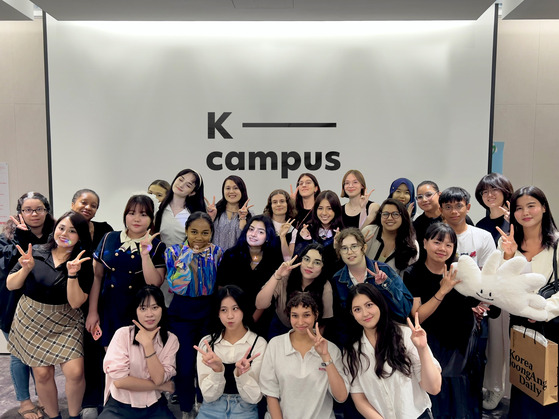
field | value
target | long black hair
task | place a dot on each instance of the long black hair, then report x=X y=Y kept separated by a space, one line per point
x=389 y=348
x=337 y=221
x=405 y=249
x=139 y=299
x=549 y=228
x=316 y=287
x=192 y=203
x=236 y=293
x=222 y=203
x=440 y=231
x=271 y=241
x=82 y=228
x=298 y=198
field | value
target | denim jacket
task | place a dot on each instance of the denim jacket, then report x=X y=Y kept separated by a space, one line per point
x=398 y=298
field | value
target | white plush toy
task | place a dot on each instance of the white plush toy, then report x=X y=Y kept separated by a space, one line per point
x=508 y=286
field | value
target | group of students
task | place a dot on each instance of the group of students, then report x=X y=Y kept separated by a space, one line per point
x=305 y=304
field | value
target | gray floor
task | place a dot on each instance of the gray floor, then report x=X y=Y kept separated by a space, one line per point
x=9 y=405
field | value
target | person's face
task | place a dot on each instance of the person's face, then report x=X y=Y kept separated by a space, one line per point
x=302 y=319
x=184 y=185
x=311 y=264
x=231 y=192
x=33 y=212
x=427 y=198
x=86 y=204
x=455 y=212
x=149 y=314
x=365 y=312
x=352 y=187
x=402 y=194
x=439 y=250
x=137 y=222
x=390 y=218
x=158 y=191
x=230 y=314
x=65 y=235
x=529 y=211
x=325 y=213
x=279 y=205
x=199 y=234
x=256 y=234
x=306 y=187
x=493 y=197
x=351 y=251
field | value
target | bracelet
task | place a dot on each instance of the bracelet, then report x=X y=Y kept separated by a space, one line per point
x=72 y=276
x=435 y=297
x=149 y=356
x=325 y=364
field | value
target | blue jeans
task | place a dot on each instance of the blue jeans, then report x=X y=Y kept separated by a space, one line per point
x=228 y=406
x=20 y=376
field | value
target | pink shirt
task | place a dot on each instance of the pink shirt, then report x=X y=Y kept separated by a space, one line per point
x=123 y=359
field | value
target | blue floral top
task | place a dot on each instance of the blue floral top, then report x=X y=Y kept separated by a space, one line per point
x=192 y=274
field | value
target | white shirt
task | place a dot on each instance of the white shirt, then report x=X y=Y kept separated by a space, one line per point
x=300 y=384
x=398 y=396
x=172 y=226
x=212 y=383
x=476 y=243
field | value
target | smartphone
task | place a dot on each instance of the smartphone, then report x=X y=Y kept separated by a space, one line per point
x=96 y=332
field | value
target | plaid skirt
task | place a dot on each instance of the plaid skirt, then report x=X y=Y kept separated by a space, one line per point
x=46 y=334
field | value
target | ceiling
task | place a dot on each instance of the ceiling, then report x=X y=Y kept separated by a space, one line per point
x=274 y=10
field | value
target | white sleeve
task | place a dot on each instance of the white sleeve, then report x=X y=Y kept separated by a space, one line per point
x=269 y=383
x=486 y=249
x=211 y=383
x=248 y=383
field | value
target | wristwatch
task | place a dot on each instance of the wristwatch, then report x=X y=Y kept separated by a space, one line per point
x=325 y=364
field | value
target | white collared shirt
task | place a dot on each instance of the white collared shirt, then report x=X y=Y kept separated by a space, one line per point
x=172 y=226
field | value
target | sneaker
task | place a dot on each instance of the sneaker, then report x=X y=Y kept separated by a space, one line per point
x=492 y=399
x=90 y=413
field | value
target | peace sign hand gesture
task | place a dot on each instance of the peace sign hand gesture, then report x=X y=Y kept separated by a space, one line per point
x=145 y=243
x=20 y=224
x=365 y=198
x=506 y=211
x=73 y=266
x=320 y=344
x=379 y=275
x=285 y=227
x=243 y=211
x=243 y=364
x=26 y=259
x=285 y=268
x=292 y=194
x=508 y=244
x=449 y=280
x=418 y=335
x=210 y=208
x=145 y=337
x=210 y=359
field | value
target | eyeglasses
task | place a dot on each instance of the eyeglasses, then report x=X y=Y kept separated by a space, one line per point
x=492 y=191
x=305 y=183
x=344 y=250
x=307 y=260
x=427 y=196
x=38 y=211
x=395 y=215
x=457 y=207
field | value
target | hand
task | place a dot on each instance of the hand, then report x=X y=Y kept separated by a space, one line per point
x=304 y=233
x=73 y=266
x=145 y=337
x=336 y=232
x=410 y=208
x=91 y=321
x=480 y=310
x=210 y=359
x=243 y=211
x=145 y=244
x=449 y=280
x=418 y=335
x=21 y=223
x=26 y=259
x=243 y=364
x=285 y=227
x=168 y=386
x=379 y=276
x=506 y=211
x=285 y=268
x=365 y=198
x=508 y=244
x=292 y=194
x=210 y=208
x=369 y=235
x=320 y=344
